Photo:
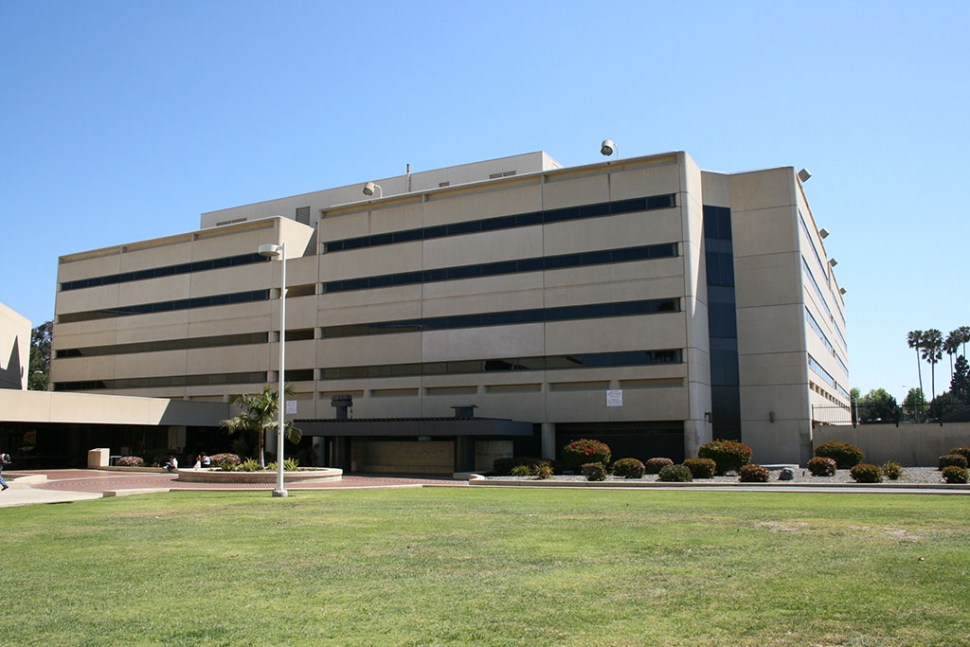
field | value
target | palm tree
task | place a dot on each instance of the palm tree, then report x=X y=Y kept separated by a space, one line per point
x=952 y=345
x=915 y=340
x=932 y=344
x=258 y=414
x=964 y=337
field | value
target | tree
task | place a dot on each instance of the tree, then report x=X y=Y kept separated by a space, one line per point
x=951 y=345
x=258 y=414
x=964 y=337
x=960 y=382
x=877 y=406
x=932 y=344
x=914 y=403
x=40 y=357
x=915 y=340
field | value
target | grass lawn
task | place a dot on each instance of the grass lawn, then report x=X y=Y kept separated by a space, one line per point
x=474 y=566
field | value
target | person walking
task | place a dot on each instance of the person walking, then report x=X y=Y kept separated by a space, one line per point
x=4 y=460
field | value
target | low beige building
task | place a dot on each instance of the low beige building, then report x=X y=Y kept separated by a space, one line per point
x=641 y=301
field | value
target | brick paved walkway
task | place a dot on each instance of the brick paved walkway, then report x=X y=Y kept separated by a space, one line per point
x=97 y=481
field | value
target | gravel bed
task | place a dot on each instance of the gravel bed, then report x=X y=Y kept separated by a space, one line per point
x=802 y=476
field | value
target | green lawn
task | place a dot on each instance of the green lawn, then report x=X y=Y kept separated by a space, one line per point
x=473 y=566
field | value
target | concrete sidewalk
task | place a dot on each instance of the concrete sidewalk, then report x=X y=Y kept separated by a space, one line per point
x=23 y=492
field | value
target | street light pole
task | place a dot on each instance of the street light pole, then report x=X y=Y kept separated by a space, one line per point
x=273 y=251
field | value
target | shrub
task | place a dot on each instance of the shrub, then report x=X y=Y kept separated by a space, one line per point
x=544 y=470
x=892 y=470
x=963 y=451
x=866 y=473
x=654 y=465
x=822 y=466
x=504 y=466
x=675 y=474
x=131 y=461
x=728 y=454
x=583 y=451
x=953 y=459
x=701 y=468
x=249 y=465
x=594 y=471
x=955 y=474
x=221 y=460
x=629 y=468
x=844 y=454
x=521 y=470
x=754 y=474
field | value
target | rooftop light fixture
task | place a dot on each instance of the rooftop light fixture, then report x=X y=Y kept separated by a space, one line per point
x=824 y=233
x=804 y=174
x=842 y=291
x=833 y=262
x=607 y=148
x=369 y=189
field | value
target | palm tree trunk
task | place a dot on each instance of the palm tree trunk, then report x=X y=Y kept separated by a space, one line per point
x=919 y=370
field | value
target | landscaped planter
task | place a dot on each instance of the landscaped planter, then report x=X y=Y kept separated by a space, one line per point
x=222 y=476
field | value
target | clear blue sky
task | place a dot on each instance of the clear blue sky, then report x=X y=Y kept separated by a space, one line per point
x=121 y=121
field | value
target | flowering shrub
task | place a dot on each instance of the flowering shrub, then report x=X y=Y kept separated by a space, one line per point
x=822 y=466
x=224 y=460
x=580 y=452
x=892 y=470
x=629 y=468
x=131 y=461
x=955 y=474
x=754 y=474
x=866 y=473
x=844 y=454
x=675 y=474
x=594 y=471
x=728 y=454
x=701 y=468
x=963 y=451
x=953 y=459
x=654 y=465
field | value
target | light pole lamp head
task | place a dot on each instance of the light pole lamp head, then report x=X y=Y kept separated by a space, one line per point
x=269 y=250
x=369 y=189
x=823 y=233
x=607 y=148
x=804 y=175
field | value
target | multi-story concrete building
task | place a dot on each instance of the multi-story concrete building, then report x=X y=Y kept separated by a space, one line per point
x=642 y=301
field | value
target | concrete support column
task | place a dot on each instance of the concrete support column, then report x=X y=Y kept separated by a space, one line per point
x=548 y=440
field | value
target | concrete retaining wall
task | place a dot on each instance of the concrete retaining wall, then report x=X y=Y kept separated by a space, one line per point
x=909 y=445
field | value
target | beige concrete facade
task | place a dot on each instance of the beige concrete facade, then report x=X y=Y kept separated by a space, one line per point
x=530 y=290
x=14 y=349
